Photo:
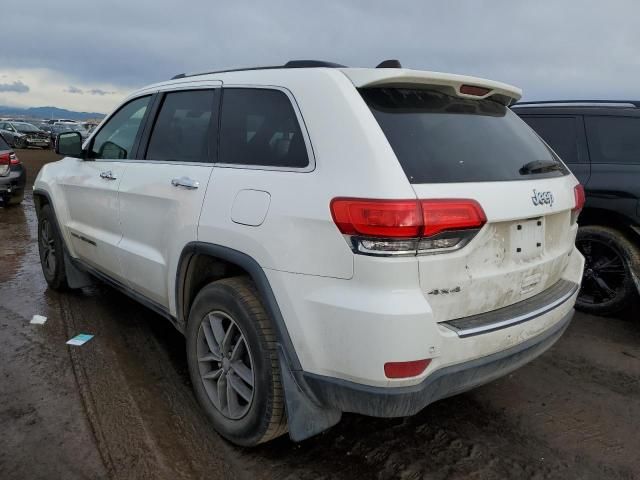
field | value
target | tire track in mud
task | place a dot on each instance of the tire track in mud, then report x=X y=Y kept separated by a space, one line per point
x=141 y=423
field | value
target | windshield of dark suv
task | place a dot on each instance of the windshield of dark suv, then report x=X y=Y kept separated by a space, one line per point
x=25 y=127
x=439 y=138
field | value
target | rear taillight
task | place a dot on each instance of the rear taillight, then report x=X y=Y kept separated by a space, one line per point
x=407 y=227
x=14 y=159
x=377 y=218
x=579 y=196
x=5 y=163
x=442 y=215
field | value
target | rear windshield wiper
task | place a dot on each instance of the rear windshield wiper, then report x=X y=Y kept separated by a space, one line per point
x=540 y=166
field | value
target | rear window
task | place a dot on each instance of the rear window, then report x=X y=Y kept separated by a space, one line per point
x=438 y=138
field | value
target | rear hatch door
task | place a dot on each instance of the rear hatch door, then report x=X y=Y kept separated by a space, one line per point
x=461 y=148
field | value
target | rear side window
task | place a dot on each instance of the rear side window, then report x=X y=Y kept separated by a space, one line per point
x=259 y=127
x=439 y=138
x=614 y=139
x=560 y=133
x=182 y=131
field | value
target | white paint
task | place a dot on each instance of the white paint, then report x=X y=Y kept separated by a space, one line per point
x=346 y=314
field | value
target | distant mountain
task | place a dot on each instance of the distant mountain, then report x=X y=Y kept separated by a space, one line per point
x=47 y=112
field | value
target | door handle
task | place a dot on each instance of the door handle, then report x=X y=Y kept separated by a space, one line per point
x=108 y=175
x=186 y=182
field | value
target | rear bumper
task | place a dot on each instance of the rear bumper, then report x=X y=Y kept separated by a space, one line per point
x=14 y=182
x=347 y=396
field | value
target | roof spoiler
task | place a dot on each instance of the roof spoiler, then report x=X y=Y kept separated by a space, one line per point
x=458 y=85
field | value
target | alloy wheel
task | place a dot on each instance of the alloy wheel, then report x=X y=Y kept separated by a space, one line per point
x=225 y=365
x=47 y=247
x=604 y=271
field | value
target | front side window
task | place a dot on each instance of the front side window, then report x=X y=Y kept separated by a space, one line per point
x=614 y=139
x=560 y=133
x=259 y=127
x=182 y=130
x=116 y=138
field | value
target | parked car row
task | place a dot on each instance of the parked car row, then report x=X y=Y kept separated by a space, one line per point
x=24 y=135
x=54 y=129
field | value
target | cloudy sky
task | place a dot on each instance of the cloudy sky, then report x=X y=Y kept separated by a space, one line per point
x=86 y=55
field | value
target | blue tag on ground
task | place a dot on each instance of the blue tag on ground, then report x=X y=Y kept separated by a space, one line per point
x=80 y=339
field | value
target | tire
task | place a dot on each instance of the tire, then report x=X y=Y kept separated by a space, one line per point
x=219 y=303
x=20 y=143
x=51 y=250
x=14 y=199
x=608 y=284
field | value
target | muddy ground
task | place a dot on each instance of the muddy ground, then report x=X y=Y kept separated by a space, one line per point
x=121 y=406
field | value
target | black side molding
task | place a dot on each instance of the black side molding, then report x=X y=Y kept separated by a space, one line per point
x=257 y=275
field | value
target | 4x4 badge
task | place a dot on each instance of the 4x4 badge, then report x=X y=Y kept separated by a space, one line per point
x=540 y=198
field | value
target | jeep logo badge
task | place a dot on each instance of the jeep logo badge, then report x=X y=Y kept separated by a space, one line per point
x=540 y=198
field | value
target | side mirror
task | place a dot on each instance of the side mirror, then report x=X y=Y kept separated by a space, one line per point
x=69 y=144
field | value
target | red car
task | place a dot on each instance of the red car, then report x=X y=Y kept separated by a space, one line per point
x=13 y=175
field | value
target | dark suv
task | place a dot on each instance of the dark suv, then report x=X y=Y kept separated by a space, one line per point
x=600 y=142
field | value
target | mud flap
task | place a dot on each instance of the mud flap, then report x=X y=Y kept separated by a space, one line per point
x=76 y=278
x=305 y=416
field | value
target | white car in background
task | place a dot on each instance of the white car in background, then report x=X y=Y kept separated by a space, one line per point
x=328 y=239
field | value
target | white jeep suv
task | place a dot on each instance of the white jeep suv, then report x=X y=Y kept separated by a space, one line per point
x=328 y=239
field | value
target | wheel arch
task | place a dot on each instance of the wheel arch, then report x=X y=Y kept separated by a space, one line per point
x=612 y=219
x=201 y=263
x=306 y=415
x=40 y=199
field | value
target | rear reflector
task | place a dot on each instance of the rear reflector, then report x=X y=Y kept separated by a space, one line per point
x=474 y=90
x=578 y=194
x=406 y=369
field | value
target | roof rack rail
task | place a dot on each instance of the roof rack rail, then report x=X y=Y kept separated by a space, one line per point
x=289 y=64
x=614 y=103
